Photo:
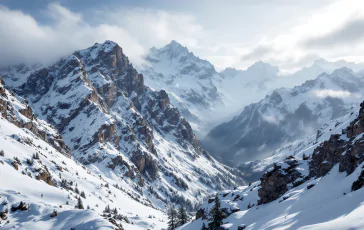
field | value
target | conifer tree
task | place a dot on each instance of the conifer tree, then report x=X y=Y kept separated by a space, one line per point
x=182 y=215
x=83 y=194
x=172 y=218
x=216 y=214
x=79 y=204
x=107 y=209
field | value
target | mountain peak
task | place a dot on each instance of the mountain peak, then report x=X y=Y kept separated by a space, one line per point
x=343 y=71
x=175 y=44
x=262 y=66
x=320 y=61
x=98 y=48
x=173 y=49
x=229 y=72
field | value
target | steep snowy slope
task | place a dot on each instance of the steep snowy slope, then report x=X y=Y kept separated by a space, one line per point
x=119 y=127
x=253 y=170
x=284 y=116
x=37 y=170
x=191 y=82
x=319 y=189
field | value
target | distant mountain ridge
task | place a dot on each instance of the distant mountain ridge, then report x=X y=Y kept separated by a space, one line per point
x=207 y=97
x=285 y=115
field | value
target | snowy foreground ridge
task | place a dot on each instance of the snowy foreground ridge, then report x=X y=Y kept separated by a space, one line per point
x=317 y=188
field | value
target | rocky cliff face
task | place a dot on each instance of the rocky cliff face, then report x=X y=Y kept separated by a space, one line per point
x=111 y=120
x=344 y=149
x=17 y=111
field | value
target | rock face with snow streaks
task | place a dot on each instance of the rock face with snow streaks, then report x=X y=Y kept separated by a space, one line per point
x=110 y=118
x=344 y=149
x=17 y=111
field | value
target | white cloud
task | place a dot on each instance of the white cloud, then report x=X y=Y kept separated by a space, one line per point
x=23 y=39
x=270 y=119
x=339 y=23
x=332 y=93
x=276 y=32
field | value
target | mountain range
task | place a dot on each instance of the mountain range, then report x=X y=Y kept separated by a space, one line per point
x=285 y=115
x=120 y=130
x=123 y=141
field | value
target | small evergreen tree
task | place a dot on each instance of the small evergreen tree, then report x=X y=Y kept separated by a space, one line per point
x=107 y=209
x=182 y=215
x=30 y=162
x=64 y=183
x=172 y=218
x=36 y=156
x=2 y=153
x=79 y=204
x=83 y=194
x=76 y=190
x=216 y=214
x=115 y=211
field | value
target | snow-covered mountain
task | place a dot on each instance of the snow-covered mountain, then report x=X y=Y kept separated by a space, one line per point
x=319 y=188
x=284 y=116
x=39 y=178
x=121 y=129
x=244 y=87
x=191 y=82
x=318 y=67
x=206 y=97
x=253 y=170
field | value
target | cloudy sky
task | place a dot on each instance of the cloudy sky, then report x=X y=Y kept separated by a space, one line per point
x=287 y=33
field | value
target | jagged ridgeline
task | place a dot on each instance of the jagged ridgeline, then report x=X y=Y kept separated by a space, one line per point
x=115 y=124
x=344 y=149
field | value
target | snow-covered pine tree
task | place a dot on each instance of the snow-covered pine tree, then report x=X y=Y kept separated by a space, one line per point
x=216 y=214
x=182 y=215
x=172 y=218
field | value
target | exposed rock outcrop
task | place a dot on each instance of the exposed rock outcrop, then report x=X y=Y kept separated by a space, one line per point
x=274 y=183
x=346 y=150
x=17 y=111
